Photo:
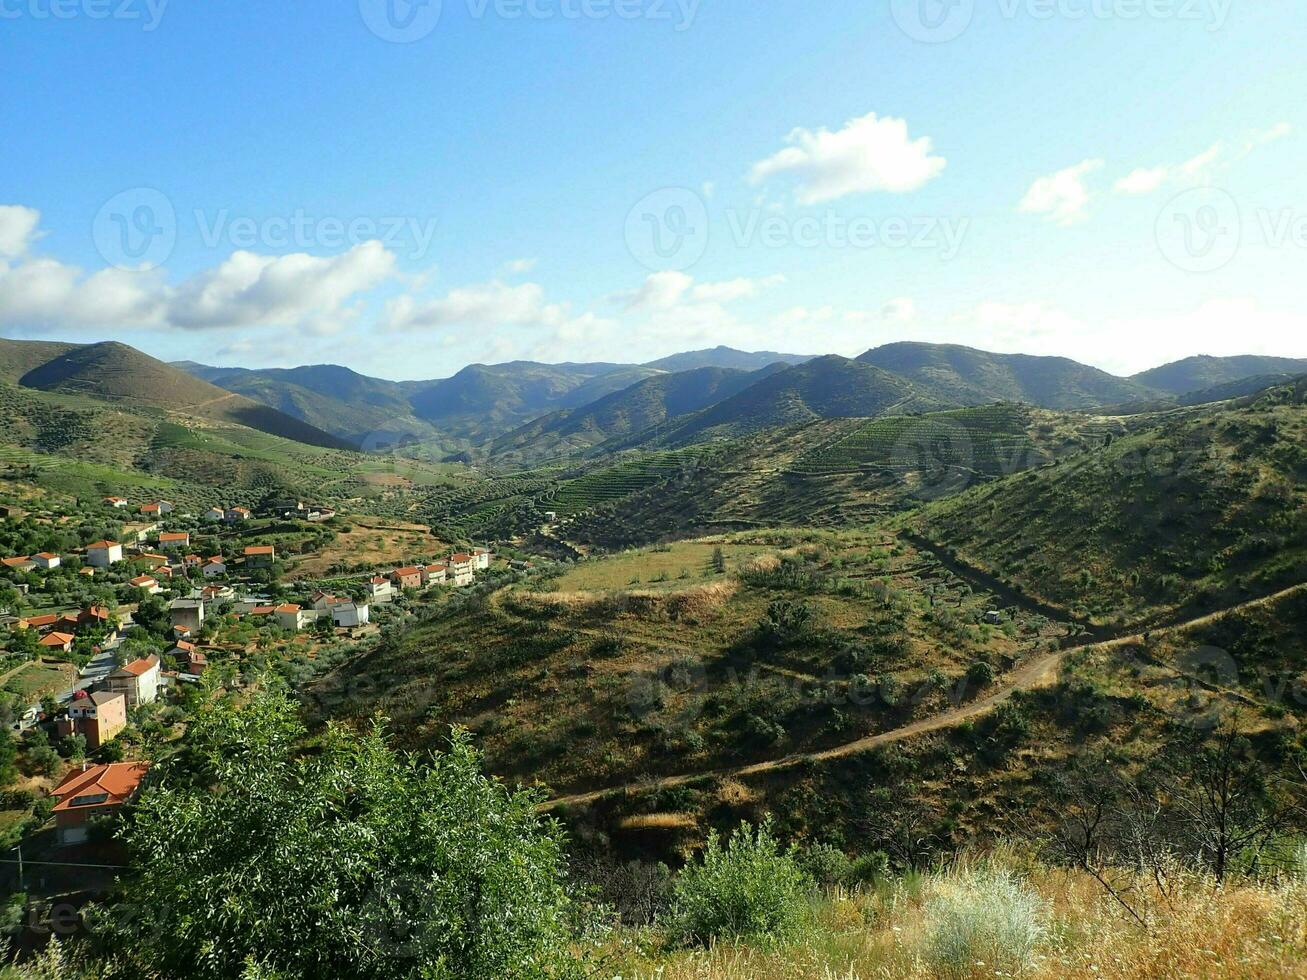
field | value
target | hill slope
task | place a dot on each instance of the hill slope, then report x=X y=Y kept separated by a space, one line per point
x=1196 y=373
x=965 y=376
x=725 y=357
x=1209 y=507
x=649 y=403
x=824 y=388
x=116 y=372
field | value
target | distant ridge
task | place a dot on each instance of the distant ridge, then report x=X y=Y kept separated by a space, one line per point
x=116 y=372
x=966 y=376
x=1197 y=373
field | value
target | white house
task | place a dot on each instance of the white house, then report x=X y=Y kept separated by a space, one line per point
x=215 y=514
x=435 y=574
x=350 y=614
x=215 y=567
x=381 y=588
x=236 y=514
x=116 y=502
x=46 y=560
x=481 y=559
x=290 y=617
x=146 y=583
x=102 y=554
x=138 y=681
x=462 y=569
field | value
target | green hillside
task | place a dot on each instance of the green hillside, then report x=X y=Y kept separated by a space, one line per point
x=1205 y=508
x=631 y=411
x=962 y=375
x=118 y=373
x=725 y=357
x=1196 y=373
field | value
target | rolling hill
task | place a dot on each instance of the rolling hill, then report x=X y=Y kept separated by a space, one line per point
x=824 y=388
x=632 y=410
x=1207 y=507
x=1197 y=373
x=364 y=411
x=118 y=373
x=965 y=376
x=725 y=357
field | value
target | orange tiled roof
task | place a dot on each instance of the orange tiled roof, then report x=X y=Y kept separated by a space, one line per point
x=15 y=562
x=142 y=582
x=260 y=549
x=101 y=545
x=116 y=783
x=46 y=555
x=288 y=607
x=407 y=572
x=175 y=536
x=57 y=640
x=47 y=620
x=138 y=667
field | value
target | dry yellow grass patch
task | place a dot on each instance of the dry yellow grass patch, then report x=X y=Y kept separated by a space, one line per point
x=659 y=821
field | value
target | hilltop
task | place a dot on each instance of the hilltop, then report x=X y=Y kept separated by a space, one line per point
x=965 y=376
x=1197 y=373
x=118 y=373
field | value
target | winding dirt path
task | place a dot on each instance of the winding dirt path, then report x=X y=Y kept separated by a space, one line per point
x=1033 y=674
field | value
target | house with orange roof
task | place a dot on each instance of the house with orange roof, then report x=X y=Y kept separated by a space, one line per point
x=435 y=574
x=380 y=587
x=157 y=509
x=57 y=641
x=214 y=567
x=214 y=514
x=146 y=583
x=39 y=623
x=192 y=561
x=116 y=501
x=46 y=560
x=260 y=556
x=102 y=554
x=481 y=558
x=235 y=515
x=137 y=681
x=94 y=791
x=23 y=564
x=291 y=617
x=172 y=540
x=407 y=578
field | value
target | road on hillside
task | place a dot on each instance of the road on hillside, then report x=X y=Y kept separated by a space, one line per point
x=1026 y=677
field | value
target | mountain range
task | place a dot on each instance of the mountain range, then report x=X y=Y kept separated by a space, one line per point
x=532 y=411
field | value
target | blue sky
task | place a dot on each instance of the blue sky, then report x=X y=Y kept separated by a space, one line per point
x=1120 y=181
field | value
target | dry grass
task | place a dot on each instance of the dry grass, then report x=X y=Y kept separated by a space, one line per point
x=1245 y=930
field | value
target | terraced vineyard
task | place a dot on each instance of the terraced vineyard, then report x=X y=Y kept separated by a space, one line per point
x=989 y=440
x=628 y=477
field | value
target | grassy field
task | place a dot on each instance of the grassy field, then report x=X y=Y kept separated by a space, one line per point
x=40 y=678
x=372 y=541
x=672 y=566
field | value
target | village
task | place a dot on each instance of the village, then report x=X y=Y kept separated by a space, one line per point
x=90 y=695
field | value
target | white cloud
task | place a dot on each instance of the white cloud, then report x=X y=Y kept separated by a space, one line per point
x=869 y=154
x=519 y=266
x=284 y=290
x=1062 y=197
x=733 y=289
x=292 y=291
x=17 y=229
x=484 y=305
x=1198 y=170
x=670 y=290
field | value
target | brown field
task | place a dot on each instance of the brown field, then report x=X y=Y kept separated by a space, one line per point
x=372 y=541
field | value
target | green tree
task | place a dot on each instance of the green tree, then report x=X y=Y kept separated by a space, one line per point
x=352 y=860
x=749 y=888
x=8 y=758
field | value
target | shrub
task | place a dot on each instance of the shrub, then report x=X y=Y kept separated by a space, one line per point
x=749 y=888
x=982 y=915
x=827 y=865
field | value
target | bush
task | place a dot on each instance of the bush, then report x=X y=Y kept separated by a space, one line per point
x=984 y=916
x=827 y=865
x=750 y=888
x=350 y=860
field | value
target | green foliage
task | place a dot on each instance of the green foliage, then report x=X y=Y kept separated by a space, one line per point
x=353 y=860
x=749 y=888
x=982 y=916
